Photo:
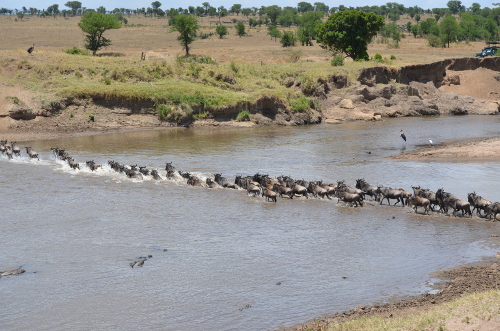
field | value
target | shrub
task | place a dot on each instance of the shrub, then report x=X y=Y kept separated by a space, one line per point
x=393 y=57
x=234 y=67
x=295 y=55
x=299 y=104
x=288 y=39
x=76 y=51
x=337 y=61
x=377 y=57
x=434 y=41
x=243 y=116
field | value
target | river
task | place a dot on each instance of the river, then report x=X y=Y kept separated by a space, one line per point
x=222 y=260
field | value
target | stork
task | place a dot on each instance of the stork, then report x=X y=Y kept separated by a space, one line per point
x=31 y=49
x=402 y=134
x=430 y=142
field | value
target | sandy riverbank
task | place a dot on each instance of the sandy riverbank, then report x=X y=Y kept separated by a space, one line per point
x=472 y=151
x=457 y=282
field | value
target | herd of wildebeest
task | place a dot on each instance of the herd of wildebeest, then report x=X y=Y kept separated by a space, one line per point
x=286 y=187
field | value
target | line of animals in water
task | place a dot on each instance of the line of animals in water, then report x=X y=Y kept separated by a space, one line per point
x=285 y=186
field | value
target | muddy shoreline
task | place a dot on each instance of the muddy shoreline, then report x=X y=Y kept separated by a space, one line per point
x=456 y=282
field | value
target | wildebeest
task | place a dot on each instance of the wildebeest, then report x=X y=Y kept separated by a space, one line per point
x=449 y=200
x=389 y=193
x=270 y=195
x=352 y=198
x=426 y=193
x=420 y=202
x=31 y=153
x=367 y=188
x=478 y=202
x=298 y=190
x=210 y=183
x=317 y=190
x=155 y=175
x=92 y=165
x=3 y=146
x=15 y=149
x=222 y=181
x=283 y=190
x=492 y=210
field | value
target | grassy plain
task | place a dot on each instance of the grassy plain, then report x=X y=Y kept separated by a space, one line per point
x=244 y=68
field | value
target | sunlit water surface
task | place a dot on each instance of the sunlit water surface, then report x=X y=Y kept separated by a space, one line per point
x=76 y=231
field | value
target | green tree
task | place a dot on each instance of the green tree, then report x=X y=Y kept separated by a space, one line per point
x=187 y=26
x=455 y=6
x=101 y=10
x=417 y=18
x=320 y=6
x=53 y=10
x=303 y=7
x=240 y=29
x=288 y=39
x=221 y=30
x=272 y=13
x=449 y=29
x=94 y=24
x=273 y=32
x=236 y=8
x=349 y=32
x=74 y=5
x=415 y=29
x=206 y=5
x=307 y=27
x=155 y=5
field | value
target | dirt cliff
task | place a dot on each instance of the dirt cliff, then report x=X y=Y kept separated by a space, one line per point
x=454 y=86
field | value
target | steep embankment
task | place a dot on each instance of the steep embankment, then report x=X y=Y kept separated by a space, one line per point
x=454 y=86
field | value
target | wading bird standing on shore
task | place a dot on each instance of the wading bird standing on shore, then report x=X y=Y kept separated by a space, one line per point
x=430 y=142
x=31 y=49
x=402 y=134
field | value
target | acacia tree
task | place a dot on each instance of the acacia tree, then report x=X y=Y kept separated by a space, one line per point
x=240 y=29
x=221 y=30
x=187 y=26
x=94 y=24
x=349 y=32
x=449 y=28
x=74 y=5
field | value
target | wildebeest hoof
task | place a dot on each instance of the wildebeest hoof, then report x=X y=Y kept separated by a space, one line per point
x=12 y=272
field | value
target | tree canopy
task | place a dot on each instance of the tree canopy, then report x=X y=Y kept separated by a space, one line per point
x=349 y=32
x=94 y=24
x=187 y=26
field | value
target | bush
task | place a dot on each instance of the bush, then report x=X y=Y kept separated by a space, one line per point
x=76 y=51
x=393 y=57
x=434 y=41
x=288 y=39
x=378 y=57
x=169 y=113
x=243 y=116
x=337 y=61
x=299 y=104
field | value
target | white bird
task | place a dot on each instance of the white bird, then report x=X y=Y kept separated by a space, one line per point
x=402 y=134
x=430 y=142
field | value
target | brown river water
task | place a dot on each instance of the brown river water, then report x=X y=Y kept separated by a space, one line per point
x=75 y=232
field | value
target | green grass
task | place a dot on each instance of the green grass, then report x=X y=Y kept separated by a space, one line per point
x=196 y=82
x=469 y=309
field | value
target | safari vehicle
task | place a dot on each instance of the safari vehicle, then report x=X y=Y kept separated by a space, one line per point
x=490 y=50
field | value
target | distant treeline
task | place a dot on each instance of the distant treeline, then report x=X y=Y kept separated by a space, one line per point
x=474 y=23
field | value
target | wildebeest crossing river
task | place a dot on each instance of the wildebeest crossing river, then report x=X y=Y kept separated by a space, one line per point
x=218 y=256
